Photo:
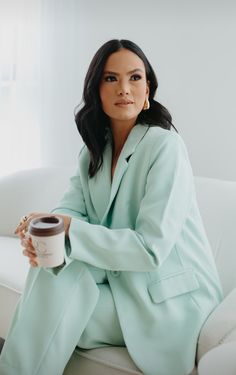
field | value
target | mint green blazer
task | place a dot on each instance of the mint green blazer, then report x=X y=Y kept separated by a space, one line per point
x=144 y=228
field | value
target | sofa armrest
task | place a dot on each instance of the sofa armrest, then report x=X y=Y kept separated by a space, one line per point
x=220 y=327
x=31 y=190
x=218 y=361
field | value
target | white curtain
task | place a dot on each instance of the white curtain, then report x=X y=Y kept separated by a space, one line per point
x=40 y=83
x=62 y=54
x=19 y=85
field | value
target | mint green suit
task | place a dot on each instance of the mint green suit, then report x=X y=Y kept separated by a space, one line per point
x=144 y=229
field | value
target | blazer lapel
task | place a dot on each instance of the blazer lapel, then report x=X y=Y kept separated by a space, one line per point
x=102 y=191
x=135 y=136
x=100 y=184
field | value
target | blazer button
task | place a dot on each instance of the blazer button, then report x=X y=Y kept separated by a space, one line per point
x=115 y=273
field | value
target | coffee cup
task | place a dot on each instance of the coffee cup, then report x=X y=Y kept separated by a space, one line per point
x=48 y=239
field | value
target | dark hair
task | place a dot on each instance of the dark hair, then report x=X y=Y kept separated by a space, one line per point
x=93 y=123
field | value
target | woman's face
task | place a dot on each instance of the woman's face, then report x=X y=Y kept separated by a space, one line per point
x=123 y=87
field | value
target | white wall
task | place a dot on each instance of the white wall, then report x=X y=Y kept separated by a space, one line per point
x=191 y=45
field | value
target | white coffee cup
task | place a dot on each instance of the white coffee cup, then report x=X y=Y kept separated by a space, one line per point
x=48 y=239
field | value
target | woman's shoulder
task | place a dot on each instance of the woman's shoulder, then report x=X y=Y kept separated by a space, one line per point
x=163 y=144
x=159 y=137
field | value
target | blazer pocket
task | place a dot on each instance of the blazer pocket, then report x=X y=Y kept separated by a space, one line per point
x=173 y=285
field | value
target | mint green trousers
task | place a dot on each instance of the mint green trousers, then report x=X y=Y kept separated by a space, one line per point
x=44 y=333
x=103 y=328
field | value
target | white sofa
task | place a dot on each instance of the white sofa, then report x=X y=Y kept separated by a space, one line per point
x=40 y=190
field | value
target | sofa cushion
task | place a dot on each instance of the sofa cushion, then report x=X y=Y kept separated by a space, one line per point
x=27 y=192
x=218 y=361
x=217 y=203
x=13 y=271
x=101 y=361
x=13 y=266
x=220 y=327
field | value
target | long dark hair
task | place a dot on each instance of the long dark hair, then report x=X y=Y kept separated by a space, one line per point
x=91 y=120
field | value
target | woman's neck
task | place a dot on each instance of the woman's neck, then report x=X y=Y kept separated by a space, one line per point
x=120 y=133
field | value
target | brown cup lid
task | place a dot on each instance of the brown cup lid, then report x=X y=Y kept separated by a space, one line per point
x=46 y=226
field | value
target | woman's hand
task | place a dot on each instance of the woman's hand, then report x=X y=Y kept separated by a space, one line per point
x=26 y=242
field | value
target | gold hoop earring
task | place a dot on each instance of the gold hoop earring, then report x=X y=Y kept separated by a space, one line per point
x=146 y=105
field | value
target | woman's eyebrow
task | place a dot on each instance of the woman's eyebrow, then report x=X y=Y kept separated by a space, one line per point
x=117 y=74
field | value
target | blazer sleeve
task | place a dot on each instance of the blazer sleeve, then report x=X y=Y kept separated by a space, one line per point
x=163 y=211
x=73 y=202
x=73 y=205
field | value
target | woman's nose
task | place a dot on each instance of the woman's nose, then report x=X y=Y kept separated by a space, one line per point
x=123 y=88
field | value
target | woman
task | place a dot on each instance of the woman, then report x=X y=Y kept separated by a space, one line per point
x=138 y=268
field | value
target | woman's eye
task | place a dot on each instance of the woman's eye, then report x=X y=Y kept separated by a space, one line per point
x=109 y=78
x=135 y=77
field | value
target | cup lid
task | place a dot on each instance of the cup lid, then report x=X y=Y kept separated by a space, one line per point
x=46 y=226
